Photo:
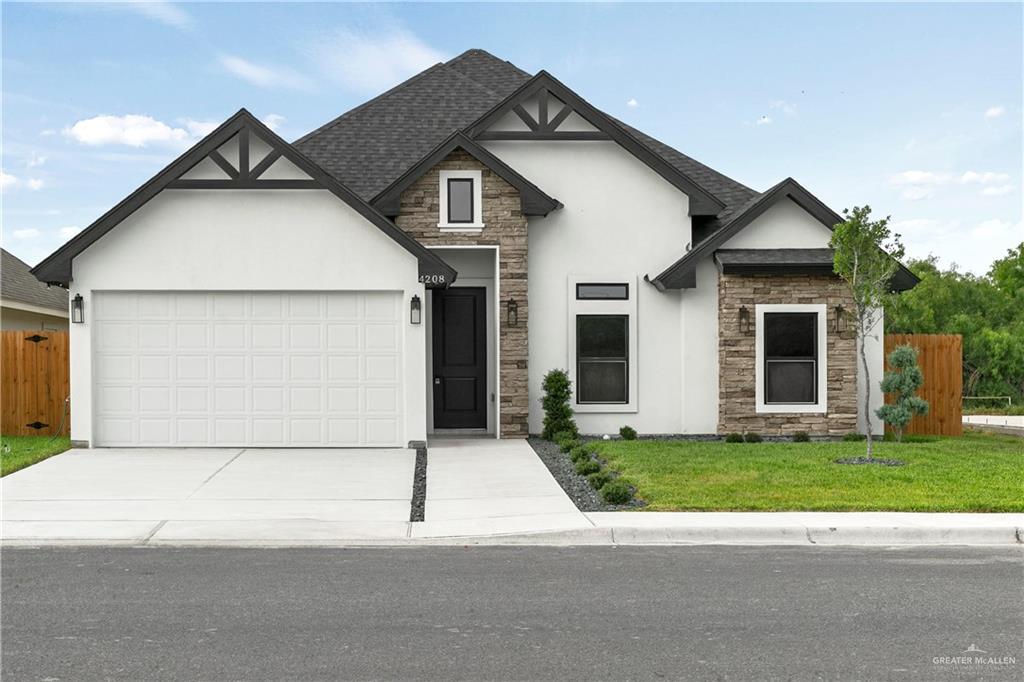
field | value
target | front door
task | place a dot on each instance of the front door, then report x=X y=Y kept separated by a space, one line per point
x=460 y=358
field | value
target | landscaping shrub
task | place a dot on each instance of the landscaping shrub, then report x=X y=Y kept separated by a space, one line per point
x=579 y=453
x=599 y=479
x=853 y=437
x=801 y=437
x=568 y=445
x=563 y=435
x=752 y=437
x=616 y=492
x=586 y=467
x=557 y=412
x=734 y=438
x=903 y=379
x=627 y=433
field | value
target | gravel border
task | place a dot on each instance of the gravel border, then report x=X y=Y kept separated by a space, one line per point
x=419 y=486
x=874 y=460
x=577 y=487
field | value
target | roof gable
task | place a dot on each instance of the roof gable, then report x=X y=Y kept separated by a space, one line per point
x=683 y=273
x=546 y=126
x=242 y=171
x=533 y=200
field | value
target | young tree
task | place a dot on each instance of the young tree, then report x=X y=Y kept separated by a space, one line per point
x=866 y=256
x=903 y=379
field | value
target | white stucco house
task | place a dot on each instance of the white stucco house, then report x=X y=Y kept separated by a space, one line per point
x=416 y=266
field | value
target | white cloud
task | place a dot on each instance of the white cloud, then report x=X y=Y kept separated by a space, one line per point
x=918 y=177
x=133 y=130
x=27 y=233
x=917 y=193
x=164 y=12
x=997 y=190
x=199 y=128
x=994 y=112
x=764 y=120
x=35 y=160
x=986 y=178
x=8 y=181
x=632 y=103
x=35 y=184
x=994 y=228
x=273 y=121
x=971 y=245
x=264 y=76
x=787 y=108
x=368 y=61
x=69 y=231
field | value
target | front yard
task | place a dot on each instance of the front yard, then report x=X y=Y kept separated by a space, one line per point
x=18 y=452
x=977 y=472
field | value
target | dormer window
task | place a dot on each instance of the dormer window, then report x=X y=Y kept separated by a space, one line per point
x=461 y=201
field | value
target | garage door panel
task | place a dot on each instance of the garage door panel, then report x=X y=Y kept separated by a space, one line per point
x=241 y=368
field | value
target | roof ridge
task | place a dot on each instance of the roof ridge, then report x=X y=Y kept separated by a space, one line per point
x=369 y=102
x=477 y=50
x=470 y=79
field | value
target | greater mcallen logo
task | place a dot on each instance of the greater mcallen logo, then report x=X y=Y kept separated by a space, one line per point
x=973 y=656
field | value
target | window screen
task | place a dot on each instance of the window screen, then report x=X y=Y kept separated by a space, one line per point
x=602 y=359
x=790 y=358
x=460 y=200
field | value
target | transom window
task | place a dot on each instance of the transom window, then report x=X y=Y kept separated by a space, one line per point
x=602 y=292
x=602 y=359
x=460 y=200
x=791 y=358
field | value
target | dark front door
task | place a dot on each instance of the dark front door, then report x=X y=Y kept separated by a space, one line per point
x=460 y=358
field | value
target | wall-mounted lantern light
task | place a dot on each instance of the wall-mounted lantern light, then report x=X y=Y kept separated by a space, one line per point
x=513 y=312
x=415 y=310
x=840 y=318
x=744 y=320
x=78 y=309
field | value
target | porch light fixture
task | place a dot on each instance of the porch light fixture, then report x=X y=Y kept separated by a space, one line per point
x=78 y=309
x=415 y=311
x=513 y=312
x=840 y=318
x=744 y=320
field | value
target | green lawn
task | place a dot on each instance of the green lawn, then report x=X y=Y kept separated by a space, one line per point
x=18 y=452
x=977 y=472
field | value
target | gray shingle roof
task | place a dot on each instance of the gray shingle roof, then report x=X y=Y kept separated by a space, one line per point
x=370 y=146
x=771 y=257
x=18 y=284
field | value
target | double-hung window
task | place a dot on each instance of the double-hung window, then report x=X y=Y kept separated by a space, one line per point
x=602 y=344
x=791 y=358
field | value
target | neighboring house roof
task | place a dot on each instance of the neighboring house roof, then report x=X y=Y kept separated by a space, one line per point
x=56 y=268
x=534 y=201
x=371 y=146
x=683 y=273
x=17 y=284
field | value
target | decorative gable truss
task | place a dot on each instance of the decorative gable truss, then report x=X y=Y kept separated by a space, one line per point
x=242 y=153
x=541 y=115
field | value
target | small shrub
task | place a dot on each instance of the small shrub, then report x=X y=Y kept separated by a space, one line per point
x=801 y=437
x=563 y=435
x=557 y=412
x=627 y=433
x=734 y=438
x=579 y=453
x=616 y=492
x=599 y=479
x=889 y=437
x=568 y=445
x=586 y=467
x=752 y=437
x=853 y=437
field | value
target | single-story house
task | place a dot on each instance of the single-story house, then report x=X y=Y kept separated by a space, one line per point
x=416 y=265
x=26 y=304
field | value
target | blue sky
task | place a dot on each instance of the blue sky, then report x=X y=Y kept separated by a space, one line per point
x=915 y=109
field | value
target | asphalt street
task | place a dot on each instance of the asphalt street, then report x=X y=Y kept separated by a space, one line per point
x=711 y=612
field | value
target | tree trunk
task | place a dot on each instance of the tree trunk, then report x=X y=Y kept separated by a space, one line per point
x=867 y=389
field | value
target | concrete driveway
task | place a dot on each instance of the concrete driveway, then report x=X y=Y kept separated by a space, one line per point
x=210 y=495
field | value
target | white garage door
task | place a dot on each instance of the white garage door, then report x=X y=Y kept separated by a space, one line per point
x=294 y=369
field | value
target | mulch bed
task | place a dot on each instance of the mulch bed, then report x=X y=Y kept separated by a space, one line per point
x=577 y=487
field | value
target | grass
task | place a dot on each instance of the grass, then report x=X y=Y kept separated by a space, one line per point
x=18 y=452
x=977 y=472
x=1011 y=410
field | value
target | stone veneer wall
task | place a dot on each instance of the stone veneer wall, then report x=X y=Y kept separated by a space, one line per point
x=505 y=226
x=737 y=355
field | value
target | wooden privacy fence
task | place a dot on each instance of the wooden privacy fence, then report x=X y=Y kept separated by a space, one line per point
x=34 y=383
x=940 y=357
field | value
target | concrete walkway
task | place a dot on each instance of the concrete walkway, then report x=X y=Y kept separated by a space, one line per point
x=131 y=496
x=481 y=487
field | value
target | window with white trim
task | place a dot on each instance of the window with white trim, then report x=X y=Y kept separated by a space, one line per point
x=461 y=200
x=791 y=358
x=603 y=343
